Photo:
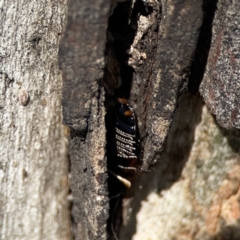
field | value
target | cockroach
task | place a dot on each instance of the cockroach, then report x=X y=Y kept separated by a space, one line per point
x=123 y=144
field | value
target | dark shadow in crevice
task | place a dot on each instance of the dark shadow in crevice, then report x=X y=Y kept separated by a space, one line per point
x=118 y=77
x=117 y=80
x=203 y=46
x=228 y=232
x=169 y=169
x=120 y=35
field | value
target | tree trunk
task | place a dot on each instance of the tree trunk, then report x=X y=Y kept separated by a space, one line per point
x=33 y=141
x=166 y=58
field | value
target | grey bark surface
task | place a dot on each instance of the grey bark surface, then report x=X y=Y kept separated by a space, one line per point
x=221 y=84
x=33 y=141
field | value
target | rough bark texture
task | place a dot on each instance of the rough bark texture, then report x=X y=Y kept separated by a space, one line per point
x=221 y=85
x=160 y=38
x=165 y=70
x=194 y=191
x=33 y=141
x=142 y=50
x=82 y=63
x=149 y=48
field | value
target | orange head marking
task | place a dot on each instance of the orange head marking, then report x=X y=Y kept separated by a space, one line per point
x=122 y=100
x=128 y=113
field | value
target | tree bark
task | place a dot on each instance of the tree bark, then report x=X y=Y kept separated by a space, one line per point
x=33 y=141
x=194 y=191
x=82 y=63
x=153 y=53
x=221 y=85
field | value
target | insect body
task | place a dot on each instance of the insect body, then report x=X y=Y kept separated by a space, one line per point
x=123 y=142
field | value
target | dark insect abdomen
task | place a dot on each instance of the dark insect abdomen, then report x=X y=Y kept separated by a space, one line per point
x=123 y=145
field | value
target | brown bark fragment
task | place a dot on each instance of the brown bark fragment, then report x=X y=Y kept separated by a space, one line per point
x=166 y=47
x=82 y=62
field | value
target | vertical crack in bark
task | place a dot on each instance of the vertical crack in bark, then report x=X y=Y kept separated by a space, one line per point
x=203 y=46
x=118 y=77
x=132 y=38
